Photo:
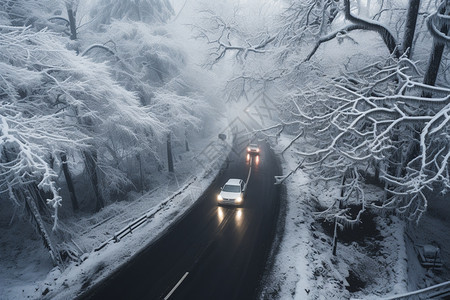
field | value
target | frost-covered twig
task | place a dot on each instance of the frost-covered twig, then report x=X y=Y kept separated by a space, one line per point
x=222 y=36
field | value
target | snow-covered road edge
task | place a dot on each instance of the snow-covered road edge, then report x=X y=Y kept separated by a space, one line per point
x=284 y=280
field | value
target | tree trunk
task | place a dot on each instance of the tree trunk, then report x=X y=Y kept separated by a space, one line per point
x=341 y=201
x=388 y=39
x=91 y=167
x=412 y=149
x=410 y=26
x=72 y=22
x=436 y=53
x=335 y=237
x=186 y=141
x=376 y=175
x=70 y=186
x=141 y=176
x=37 y=220
x=169 y=153
x=40 y=198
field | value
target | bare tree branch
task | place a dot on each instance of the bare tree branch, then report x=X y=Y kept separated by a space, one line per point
x=332 y=35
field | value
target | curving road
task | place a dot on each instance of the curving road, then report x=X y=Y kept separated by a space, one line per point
x=212 y=252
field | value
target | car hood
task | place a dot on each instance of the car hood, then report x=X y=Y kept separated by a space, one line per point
x=229 y=195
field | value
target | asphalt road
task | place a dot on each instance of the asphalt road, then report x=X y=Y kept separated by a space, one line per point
x=212 y=252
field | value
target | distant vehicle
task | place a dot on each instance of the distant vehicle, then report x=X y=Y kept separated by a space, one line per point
x=232 y=192
x=253 y=149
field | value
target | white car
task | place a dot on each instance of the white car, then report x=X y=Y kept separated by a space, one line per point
x=232 y=192
x=253 y=149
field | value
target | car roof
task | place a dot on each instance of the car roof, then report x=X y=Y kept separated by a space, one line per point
x=253 y=145
x=233 y=181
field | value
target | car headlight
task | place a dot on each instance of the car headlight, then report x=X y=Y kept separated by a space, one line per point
x=248 y=149
x=219 y=198
x=238 y=199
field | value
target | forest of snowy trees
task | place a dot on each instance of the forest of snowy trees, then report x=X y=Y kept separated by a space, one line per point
x=98 y=90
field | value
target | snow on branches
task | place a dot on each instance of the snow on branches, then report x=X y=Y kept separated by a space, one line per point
x=54 y=101
x=148 y=11
x=438 y=23
x=225 y=36
x=379 y=122
x=306 y=19
x=32 y=129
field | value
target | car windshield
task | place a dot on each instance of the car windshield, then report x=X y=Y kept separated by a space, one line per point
x=253 y=146
x=231 y=188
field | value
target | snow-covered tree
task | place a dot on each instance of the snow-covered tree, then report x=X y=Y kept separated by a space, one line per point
x=102 y=93
x=363 y=123
x=377 y=121
x=104 y=12
x=28 y=111
x=147 y=59
x=56 y=102
x=34 y=130
x=26 y=13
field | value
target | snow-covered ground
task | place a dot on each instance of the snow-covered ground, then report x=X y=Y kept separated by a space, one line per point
x=26 y=270
x=369 y=267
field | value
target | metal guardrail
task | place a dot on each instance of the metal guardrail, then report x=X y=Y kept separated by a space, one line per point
x=153 y=211
x=437 y=291
x=143 y=219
